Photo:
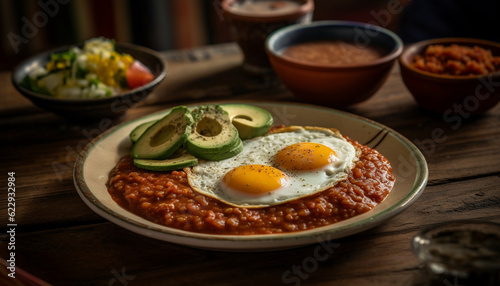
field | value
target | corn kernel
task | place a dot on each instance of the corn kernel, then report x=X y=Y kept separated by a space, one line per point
x=107 y=67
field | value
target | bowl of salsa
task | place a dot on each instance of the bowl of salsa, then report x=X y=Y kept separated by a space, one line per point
x=453 y=76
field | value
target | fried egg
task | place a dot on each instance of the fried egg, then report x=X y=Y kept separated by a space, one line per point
x=282 y=166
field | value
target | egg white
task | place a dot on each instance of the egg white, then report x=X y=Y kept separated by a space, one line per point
x=206 y=177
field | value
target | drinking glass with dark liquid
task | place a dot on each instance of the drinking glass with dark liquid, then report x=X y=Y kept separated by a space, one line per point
x=465 y=253
x=251 y=21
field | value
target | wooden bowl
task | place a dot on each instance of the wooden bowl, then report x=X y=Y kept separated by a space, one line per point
x=450 y=94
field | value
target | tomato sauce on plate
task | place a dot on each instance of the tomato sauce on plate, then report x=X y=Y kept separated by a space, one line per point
x=167 y=199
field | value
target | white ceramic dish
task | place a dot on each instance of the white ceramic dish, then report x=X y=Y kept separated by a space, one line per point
x=409 y=166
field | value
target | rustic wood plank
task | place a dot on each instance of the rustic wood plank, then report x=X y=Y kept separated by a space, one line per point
x=380 y=256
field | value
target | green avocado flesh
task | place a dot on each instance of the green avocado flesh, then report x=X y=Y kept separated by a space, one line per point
x=140 y=129
x=164 y=137
x=210 y=132
x=180 y=159
x=251 y=121
x=212 y=135
x=233 y=151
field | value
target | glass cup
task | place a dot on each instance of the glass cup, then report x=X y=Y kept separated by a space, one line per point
x=251 y=21
x=462 y=253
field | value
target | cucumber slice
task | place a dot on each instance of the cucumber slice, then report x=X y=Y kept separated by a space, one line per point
x=161 y=139
x=140 y=129
x=180 y=159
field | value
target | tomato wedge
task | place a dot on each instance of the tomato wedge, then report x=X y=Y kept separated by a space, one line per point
x=138 y=75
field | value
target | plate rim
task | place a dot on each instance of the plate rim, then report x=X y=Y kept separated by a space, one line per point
x=419 y=184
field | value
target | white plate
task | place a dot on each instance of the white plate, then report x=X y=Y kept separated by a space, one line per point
x=101 y=155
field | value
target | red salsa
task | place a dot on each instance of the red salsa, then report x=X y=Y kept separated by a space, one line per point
x=167 y=199
x=457 y=60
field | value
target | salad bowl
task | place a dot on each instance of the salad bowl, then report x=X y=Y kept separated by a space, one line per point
x=91 y=109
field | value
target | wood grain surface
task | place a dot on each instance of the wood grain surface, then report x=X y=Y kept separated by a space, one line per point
x=61 y=241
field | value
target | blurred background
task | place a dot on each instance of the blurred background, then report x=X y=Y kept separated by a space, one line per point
x=30 y=26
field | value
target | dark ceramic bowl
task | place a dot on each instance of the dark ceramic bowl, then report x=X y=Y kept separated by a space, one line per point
x=92 y=109
x=333 y=85
x=450 y=94
x=250 y=31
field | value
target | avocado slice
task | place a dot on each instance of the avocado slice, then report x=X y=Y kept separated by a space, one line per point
x=251 y=121
x=212 y=135
x=161 y=139
x=140 y=129
x=180 y=159
x=227 y=154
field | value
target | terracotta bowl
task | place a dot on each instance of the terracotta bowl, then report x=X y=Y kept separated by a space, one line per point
x=250 y=30
x=333 y=85
x=92 y=109
x=450 y=94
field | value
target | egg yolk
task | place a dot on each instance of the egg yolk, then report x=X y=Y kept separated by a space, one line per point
x=305 y=156
x=255 y=179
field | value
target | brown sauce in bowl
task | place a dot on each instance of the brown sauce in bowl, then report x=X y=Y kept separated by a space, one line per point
x=332 y=53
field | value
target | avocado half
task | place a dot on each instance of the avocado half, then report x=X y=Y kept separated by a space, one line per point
x=164 y=137
x=251 y=121
x=213 y=137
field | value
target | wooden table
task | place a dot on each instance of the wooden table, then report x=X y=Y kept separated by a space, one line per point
x=61 y=241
